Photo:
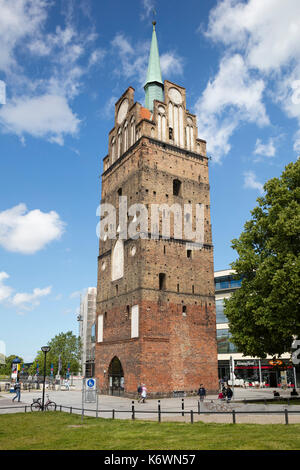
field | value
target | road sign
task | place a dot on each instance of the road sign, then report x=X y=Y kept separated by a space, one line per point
x=89 y=390
x=90 y=384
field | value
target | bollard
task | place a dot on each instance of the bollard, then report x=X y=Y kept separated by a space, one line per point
x=159 y=412
x=199 y=407
x=70 y=410
x=182 y=406
x=60 y=407
x=25 y=409
x=113 y=414
x=233 y=416
x=286 y=416
x=192 y=417
x=132 y=409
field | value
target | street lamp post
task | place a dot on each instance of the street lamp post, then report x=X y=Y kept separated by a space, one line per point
x=45 y=350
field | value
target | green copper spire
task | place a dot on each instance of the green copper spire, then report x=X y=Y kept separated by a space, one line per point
x=154 y=85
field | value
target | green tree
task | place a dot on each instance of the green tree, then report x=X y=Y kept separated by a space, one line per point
x=5 y=369
x=65 y=345
x=264 y=313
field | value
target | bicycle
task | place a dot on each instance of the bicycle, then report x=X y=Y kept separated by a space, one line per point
x=36 y=405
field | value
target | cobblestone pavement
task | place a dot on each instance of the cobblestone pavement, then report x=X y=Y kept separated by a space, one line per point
x=122 y=406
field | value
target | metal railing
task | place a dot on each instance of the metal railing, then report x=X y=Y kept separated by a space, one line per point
x=133 y=412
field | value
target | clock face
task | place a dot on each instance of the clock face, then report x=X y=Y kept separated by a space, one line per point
x=175 y=96
x=122 y=111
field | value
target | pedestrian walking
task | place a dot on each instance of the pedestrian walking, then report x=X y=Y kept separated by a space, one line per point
x=144 y=393
x=17 y=389
x=139 y=391
x=201 y=393
x=229 y=394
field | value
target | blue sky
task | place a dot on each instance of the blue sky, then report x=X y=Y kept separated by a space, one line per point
x=64 y=64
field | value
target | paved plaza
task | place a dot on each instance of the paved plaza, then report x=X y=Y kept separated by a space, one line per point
x=122 y=406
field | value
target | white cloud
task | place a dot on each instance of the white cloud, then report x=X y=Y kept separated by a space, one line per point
x=61 y=58
x=47 y=116
x=234 y=87
x=250 y=181
x=5 y=291
x=148 y=7
x=109 y=107
x=266 y=33
x=27 y=232
x=233 y=96
x=267 y=150
x=132 y=61
x=76 y=294
x=96 y=57
x=171 y=64
x=18 y=20
x=297 y=142
x=21 y=300
x=27 y=301
x=267 y=30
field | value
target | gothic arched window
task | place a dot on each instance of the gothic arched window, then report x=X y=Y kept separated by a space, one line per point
x=117 y=262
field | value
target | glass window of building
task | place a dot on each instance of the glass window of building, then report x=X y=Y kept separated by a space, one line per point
x=227 y=282
x=223 y=343
x=220 y=311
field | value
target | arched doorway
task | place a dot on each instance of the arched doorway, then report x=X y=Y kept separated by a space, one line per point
x=116 y=377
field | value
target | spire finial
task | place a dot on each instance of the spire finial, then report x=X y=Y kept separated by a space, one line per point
x=154 y=22
x=154 y=85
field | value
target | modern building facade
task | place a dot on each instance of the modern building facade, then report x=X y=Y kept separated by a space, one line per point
x=156 y=319
x=87 y=330
x=246 y=369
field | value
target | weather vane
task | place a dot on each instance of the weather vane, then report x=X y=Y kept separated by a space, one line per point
x=154 y=15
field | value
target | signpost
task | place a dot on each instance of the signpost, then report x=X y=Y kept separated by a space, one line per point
x=89 y=392
x=231 y=364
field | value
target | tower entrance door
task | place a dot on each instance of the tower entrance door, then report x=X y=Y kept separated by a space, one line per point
x=116 y=377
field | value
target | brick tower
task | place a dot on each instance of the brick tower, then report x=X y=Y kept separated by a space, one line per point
x=156 y=319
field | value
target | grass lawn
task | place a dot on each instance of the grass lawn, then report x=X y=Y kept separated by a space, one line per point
x=62 y=431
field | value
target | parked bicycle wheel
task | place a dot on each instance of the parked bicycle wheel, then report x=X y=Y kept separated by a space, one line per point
x=36 y=406
x=51 y=406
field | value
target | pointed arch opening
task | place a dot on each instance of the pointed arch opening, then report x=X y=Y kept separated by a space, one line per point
x=116 y=377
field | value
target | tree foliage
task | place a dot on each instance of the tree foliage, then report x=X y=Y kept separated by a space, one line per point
x=6 y=369
x=65 y=345
x=264 y=313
